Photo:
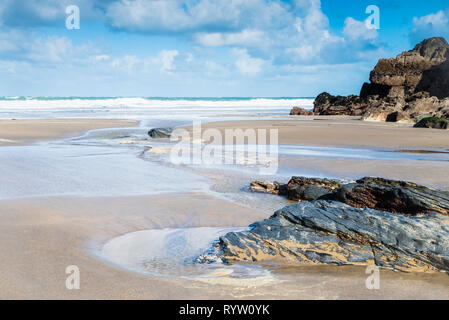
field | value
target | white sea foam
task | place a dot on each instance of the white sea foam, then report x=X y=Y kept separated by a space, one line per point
x=138 y=108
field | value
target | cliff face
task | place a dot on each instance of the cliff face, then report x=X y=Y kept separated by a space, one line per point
x=413 y=84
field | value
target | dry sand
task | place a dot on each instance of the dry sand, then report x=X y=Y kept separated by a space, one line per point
x=24 y=131
x=40 y=237
x=344 y=132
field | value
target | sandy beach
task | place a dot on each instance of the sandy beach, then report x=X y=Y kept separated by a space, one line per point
x=344 y=131
x=40 y=236
x=25 y=131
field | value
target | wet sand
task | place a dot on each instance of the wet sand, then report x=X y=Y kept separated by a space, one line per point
x=40 y=237
x=344 y=132
x=25 y=131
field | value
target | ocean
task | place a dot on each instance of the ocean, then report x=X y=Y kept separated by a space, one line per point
x=138 y=108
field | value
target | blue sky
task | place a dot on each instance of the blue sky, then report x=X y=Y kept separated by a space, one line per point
x=204 y=47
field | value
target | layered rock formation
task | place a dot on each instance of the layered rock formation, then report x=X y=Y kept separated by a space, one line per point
x=327 y=232
x=413 y=84
x=298 y=188
x=393 y=224
x=375 y=193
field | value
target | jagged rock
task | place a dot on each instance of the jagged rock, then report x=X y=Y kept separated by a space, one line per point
x=433 y=122
x=329 y=184
x=393 y=198
x=298 y=188
x=388 y=182
x=296 y=111
x=158 y=133
x=302 y=188
x=265 y=187
x=398 y=116
x=307 y=193
x=326 y=104
x=413 y=84
x=327 y=232
x=369 y=192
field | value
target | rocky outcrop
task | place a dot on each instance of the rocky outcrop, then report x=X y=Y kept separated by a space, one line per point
x=159 y=133
x=413 y=84
x=266 y=187
x=308 y=189
x=433 y=123
x=393 y=224
x=296 y=111
x=326 y=104
x=398 y=199
x=298 y=188
x=328 y=232
x=375 y=193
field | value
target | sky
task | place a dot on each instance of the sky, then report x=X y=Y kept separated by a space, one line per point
x=204 y=48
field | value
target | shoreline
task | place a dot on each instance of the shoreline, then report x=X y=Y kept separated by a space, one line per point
x=41 y=236
x=62 y=231
x=27 y=131
x=341 y=131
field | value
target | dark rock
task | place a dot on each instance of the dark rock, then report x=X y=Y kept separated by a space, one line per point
x=388 y=182
x=298 y=188
x=369 y=192
x=323 y=232
x=296 y=111
x=393 y=198
x=303 y=188
x=433 y=123
x=413 y=84
x=398 y=116
x=265 y=187
x=326 y=104
x=329 y=184
x=307 y=193
x=158 y=133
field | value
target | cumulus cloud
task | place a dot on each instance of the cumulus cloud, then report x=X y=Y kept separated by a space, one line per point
x=246 y=64
x=18 y=45
x=357 y=30
x=270 y=37
x=166 y=59
x=280 y=31
x=432 y=25
x=245 y=38
x=193 y=15
x=35 y=13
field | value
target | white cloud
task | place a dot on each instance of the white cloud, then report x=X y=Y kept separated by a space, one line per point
x=246 y=64
x=194 y=15
x=33 y=13
x=432 y=25
x=19 y=45
x=127 y=63
x=166 y=59
x=102 y=57
x=357 y=30
x=437 y=20
x=245 y=38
